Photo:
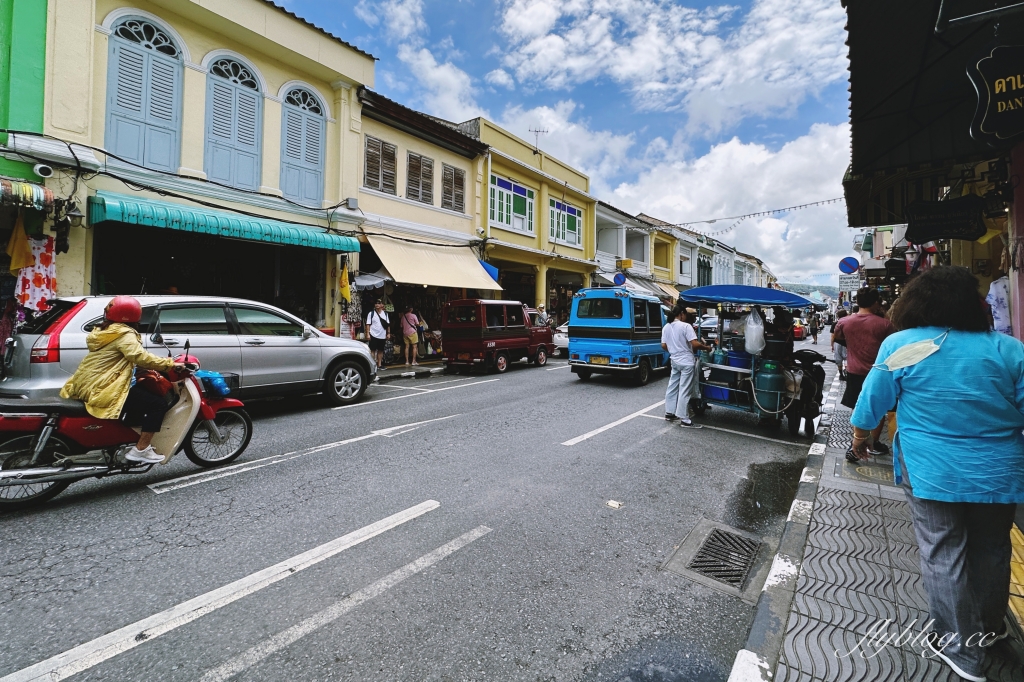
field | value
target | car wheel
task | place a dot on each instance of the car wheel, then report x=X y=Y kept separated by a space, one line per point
x=583 y=374
x=345 y=383
x=643 y=372
x=541 y=358
x=501 y=363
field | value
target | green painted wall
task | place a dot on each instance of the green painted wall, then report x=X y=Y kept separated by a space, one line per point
x=22 y=73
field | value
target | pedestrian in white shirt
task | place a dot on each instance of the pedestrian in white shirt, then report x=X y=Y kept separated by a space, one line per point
x=378 y=331
x=679 y=339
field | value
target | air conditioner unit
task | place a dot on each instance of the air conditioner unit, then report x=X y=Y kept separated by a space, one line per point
x=623 y=263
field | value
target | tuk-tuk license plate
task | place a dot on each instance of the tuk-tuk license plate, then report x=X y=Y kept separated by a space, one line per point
x=464 y=356
x=598 y=360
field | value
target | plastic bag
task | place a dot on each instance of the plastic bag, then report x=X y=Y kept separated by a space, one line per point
x=754 y=333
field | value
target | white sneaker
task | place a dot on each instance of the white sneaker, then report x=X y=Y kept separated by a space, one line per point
x=930 y=648
x=1000 y=637
x=147 y=456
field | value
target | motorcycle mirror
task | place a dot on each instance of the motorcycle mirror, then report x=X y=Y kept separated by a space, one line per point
x=157 y=338
x=188 y=344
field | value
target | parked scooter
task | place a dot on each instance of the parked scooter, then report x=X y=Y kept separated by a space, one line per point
x=807 y=365
x=48 y=445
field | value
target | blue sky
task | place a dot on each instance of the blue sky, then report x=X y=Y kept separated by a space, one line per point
x=684 y=111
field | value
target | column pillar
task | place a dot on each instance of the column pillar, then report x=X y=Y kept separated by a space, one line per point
x=541 y=285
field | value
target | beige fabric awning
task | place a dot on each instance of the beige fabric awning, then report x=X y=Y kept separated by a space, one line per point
x=441 y=266
x=674 y=293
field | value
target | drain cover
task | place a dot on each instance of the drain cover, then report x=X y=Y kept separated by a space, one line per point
x=726 y=557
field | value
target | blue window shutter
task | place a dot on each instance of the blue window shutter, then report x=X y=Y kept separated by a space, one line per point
x=163 y=118
x=234 y=118
x=302 y=156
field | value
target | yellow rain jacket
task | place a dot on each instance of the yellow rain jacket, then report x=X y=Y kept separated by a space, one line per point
x=105 y=375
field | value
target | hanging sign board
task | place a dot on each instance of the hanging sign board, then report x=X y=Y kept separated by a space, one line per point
x=959 y=218
x=998 y=78
x=849 y=282
x=849 y=265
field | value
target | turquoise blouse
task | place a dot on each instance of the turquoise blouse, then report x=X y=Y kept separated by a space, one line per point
x=960 y=415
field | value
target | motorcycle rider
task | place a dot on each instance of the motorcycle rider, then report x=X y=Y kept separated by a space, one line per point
x=105 y=380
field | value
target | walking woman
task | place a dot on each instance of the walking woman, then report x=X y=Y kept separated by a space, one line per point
x=411 y=334
x=959 y=454
x=839 y=346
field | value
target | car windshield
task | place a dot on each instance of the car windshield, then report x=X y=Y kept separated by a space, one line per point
x=462 y=314
x=604 y=308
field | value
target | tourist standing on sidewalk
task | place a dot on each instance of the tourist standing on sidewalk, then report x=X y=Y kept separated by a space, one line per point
x=959 y=453
x=839 y=347
x=863 y=333
x=378 y=332
x=411 y=334
x=542 y=316
x=814 y=327
x=679 y=339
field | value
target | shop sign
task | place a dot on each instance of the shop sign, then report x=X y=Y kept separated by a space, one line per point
x=849 y=282
x=998 y=78
x=959 y=218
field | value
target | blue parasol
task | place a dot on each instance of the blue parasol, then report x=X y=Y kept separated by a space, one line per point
x=745 y=295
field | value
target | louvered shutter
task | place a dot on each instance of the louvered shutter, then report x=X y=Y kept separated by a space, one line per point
x=371 y=173
x=413 y=177
x=233 y=124
x=427 y=181
x=388 y=163
x=302 y=156
x=447 y=187
x=143 y=107
x=459 y=191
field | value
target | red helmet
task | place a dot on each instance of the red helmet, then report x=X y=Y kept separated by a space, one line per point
x=123 y=309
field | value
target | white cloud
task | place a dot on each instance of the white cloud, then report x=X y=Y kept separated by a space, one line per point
x=500 y=78
x=446 y=90
x=366 y=12
x=734 y=178
x=671 y=57
x=402 y=19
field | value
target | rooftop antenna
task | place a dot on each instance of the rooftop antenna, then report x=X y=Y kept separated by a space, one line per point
x=537 y=132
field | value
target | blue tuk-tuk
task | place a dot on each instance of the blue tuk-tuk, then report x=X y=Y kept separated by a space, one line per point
x=616 y=331
x=763 y=383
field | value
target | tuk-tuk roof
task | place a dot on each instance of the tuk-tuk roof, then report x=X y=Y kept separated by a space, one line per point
x=743 y=294
x=620 y=292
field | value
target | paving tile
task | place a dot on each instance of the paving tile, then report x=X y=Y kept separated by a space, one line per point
x=870 y=609
x=851 y=573
x=828 y=480
x=850 y=542
x=904 y=556
x=897 y=509
x=853 y=519
x=888 y=492
x=910 y=589
x=901 y=531
x=849 y=500
x=822 y=651
x=878 y=603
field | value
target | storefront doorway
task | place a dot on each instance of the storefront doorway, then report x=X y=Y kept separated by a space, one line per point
x=131 y=259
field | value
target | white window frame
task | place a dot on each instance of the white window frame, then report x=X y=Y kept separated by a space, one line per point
x=684 y=258
x=558 y=223
x=500 y=213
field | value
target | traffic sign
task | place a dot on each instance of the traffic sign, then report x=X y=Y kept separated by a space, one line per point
x=849 y=265
x=849 y=282
x=619 y=279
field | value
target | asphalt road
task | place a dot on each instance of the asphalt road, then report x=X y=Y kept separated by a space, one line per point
x=498 y=557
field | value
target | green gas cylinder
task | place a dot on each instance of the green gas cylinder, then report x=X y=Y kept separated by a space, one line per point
x=770 y=386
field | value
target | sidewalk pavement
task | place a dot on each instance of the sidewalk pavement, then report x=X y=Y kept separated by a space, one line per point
x=857 y=569
x=423 y=370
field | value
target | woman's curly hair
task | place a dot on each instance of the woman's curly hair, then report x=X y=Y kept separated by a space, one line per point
x=945 y=296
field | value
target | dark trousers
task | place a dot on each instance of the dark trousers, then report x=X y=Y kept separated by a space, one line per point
x=145 y=409
x=965 y=564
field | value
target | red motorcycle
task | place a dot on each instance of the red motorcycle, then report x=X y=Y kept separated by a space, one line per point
x=48 y=445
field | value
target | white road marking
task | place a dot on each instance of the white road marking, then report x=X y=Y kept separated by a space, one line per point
x=750 y=435
x=92 y=653
x=411 y=395
x=591 y=434
x=421 y=388
x=551 y=369
x=287 y=637
x=652 y=416
x=207 y=476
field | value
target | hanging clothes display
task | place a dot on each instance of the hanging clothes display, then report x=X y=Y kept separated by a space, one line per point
x=37 y=283
x=998 y=300
x=18 y=248
x=25 y=195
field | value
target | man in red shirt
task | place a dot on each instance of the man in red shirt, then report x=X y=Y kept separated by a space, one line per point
x=863 y=332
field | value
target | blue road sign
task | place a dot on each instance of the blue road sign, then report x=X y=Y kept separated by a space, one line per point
x=849 y=265
x=619 y=279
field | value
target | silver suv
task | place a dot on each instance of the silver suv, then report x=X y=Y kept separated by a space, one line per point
x=272 y=352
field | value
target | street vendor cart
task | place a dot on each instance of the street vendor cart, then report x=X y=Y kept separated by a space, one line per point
x=771 y=382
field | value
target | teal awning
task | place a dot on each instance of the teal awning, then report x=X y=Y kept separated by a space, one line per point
x=107 y=206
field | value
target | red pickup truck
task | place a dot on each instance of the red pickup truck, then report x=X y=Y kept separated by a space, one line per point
x=491 y=334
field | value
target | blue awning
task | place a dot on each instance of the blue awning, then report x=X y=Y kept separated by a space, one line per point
x=745 y=295
x=491 y=270
x=107 y=206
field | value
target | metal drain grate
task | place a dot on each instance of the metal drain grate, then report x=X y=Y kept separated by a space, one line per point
x=726 y=557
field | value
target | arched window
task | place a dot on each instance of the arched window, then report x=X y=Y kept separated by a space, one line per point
x=144 y=76
x=302 y=147
x=234 y=124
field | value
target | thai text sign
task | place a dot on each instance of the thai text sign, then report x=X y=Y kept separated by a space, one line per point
x=849 y=282
x=998 y=77
x=959 y=218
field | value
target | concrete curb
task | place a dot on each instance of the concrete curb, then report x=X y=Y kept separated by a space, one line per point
x=396 y=374
x=757 y=661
